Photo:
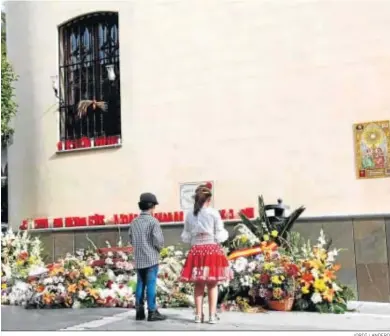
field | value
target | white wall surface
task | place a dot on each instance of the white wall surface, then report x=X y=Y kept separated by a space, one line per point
x=258 y=96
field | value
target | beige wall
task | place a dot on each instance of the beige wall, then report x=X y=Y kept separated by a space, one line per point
x=259 y=96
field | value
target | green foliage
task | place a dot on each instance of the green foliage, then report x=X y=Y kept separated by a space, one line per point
x=261 y=225
x=8 y=77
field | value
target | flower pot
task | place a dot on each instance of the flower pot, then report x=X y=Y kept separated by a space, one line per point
x=281 y=305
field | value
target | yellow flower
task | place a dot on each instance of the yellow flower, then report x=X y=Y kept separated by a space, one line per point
x=275 y=280
x=88 y=271
x=164 y=252
x=274 y=233
x=3 y=286
x=19 y=262
x=32 y=260
x=268 y=266
x=320 y=285
x=243 y=239
x=282 y=277
x=305 y=290
x=316 y=264
x=266 y=237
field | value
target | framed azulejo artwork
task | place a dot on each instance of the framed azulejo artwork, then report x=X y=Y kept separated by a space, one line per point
x=187 y=193
x=372 y=149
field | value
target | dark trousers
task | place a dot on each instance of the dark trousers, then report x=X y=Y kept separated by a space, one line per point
x=146 y=279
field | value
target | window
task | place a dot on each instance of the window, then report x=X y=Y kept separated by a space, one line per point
x=89 y=78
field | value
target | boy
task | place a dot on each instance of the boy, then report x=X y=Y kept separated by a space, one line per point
x=147 y=239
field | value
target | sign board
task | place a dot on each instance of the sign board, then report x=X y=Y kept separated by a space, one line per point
x=187 y=193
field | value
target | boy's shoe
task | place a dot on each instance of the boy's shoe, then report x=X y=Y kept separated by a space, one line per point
x=155 y=316
x=140 y=313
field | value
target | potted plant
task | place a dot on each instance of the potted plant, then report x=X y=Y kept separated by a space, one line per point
x=277 y=283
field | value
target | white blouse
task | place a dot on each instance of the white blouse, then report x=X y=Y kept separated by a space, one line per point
x=205 y=228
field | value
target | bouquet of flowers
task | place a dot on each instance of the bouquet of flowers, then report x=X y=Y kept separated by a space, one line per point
x=319 y=289
x=170 y=291
x=277 y=282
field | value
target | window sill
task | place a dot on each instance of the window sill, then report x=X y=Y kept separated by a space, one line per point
x=87 y=148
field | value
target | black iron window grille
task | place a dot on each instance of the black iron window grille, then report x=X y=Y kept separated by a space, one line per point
x=89 y=79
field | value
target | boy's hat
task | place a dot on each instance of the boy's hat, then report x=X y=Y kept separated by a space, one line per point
x=148 y=198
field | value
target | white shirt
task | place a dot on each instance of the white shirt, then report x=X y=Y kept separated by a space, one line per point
x=205 y=228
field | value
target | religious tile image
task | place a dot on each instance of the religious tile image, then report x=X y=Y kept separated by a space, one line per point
x=372 y=149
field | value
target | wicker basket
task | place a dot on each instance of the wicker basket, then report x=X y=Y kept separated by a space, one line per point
x=281 y=305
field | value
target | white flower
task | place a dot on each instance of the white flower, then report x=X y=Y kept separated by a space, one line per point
x=92 y=278
x=76 y=305
x=110 y=254
x=178 y=253
x=61 y=288
x=336 y=287
x=315 y=273
x=240 y=264
x=121 y=278
x=111 y=275
x=321 y=238
x=108 y=261
x=48 y=281
x=316 y=298
x=82 y=295
x=252 y=266
x=332 y=254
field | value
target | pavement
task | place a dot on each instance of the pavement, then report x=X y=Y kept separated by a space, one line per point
x=368 y=317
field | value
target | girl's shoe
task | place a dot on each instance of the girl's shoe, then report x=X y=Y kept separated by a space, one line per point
x=213 y=319
x=199 y=318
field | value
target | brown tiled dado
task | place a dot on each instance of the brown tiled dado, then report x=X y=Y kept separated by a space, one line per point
x=47 y=241
x=341 y=233
x=101 y=237
x=370 y=241
x=373 y=282
x=63 y=243
x=308 y=230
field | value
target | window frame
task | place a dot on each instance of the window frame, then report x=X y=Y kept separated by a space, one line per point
x=87 y=45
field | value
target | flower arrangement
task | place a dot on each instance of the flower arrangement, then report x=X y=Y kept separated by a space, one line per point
x=268 y=266
x=277 y=281
x=319 y=288
x=171 y=292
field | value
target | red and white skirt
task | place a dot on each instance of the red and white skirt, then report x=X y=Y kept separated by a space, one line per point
x=206 y=263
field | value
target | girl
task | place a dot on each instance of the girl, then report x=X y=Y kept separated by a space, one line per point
x=206 y=263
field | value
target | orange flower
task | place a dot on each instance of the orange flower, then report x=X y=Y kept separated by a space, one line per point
x=48 y=298
x=83 y=283
x=57 y=270
x=68 y=301
x=336 y=267
x=307 y=278
x=40 y=288
x=72 y=288
x=93 y=293
x=329 y=275
x=328 y=295
x=74 y=274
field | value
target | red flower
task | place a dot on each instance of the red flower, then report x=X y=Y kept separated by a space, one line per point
x=264 y=278
x=109 y=284
x=209 y=185
x=292 y=270
x=23 y=255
